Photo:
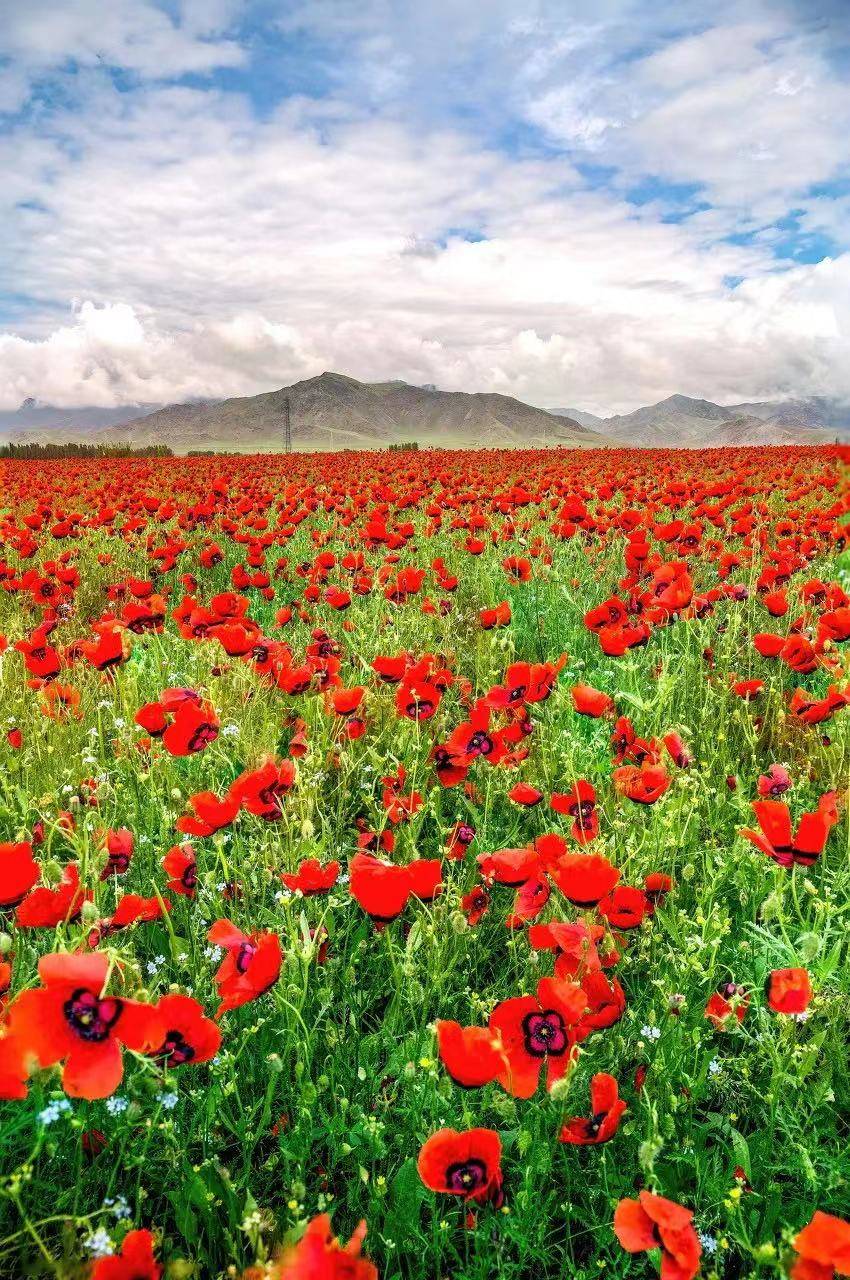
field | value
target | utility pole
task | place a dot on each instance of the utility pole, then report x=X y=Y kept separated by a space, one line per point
x=287 y=427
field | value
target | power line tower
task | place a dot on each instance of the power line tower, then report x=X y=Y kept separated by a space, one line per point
x=287 y=427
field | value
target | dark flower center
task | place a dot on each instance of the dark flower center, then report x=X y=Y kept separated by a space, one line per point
x=479 y=744
x=544 y=1033
x=465 y=1178
x=175 y=1049
x=244 y=956
x=202 y=737
x=91 y=1017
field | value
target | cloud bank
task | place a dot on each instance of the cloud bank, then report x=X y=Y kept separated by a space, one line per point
x=595 y=210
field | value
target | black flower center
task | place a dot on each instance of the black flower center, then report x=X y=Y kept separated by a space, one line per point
x=91 y=1017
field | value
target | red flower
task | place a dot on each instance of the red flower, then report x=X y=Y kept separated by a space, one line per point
x=606 y=1109
x=119 y=848
x=383 y=889
x=134 y=1262
x=731 y=1002
x=580 y=804
x=15 y=1062
x=261 y=791
x=523 y=793
x=45 y=908
x=464 y=1164
x=588 y=701
x=250 y=968
x=312 y=877
x=789 y=990
x=189 y=1036
x=537 y=1030
x=319 y=1256
x=70 y=1020
x=182 y=868
x=777 y=839
x=475 y=904
x=643 y=783
x=211 y=814
x=624 y=907
x=774 y=783
x=473 y=1056
x=652 y=1222
x=823 y=1249
x=18 y=873
x=583 y=878
x=194 y=726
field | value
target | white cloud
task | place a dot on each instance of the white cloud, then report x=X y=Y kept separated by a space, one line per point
x=215 y=253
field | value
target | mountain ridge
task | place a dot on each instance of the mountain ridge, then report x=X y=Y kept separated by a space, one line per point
x=333 y=410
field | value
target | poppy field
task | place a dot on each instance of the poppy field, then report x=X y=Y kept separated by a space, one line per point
x=425 y=865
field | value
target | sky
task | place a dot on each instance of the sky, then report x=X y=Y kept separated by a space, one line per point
x=589 y=203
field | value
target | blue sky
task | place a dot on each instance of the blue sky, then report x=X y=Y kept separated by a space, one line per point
x=579 y=203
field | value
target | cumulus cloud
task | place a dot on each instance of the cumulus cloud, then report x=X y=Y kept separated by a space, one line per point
x=216 y=250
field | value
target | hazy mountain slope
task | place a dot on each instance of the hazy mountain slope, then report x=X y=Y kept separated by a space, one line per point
x=334 y=411
x=41 y=423
x=680 y=421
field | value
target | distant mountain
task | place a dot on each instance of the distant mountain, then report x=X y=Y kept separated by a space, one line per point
x=42 y=423
x=581 y=416
x=333 y=411
x=683 y=422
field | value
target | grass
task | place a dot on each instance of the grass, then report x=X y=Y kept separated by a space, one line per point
x=326 y=1087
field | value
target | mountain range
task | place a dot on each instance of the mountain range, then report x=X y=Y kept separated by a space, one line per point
x=682 y=422
x=332 y=411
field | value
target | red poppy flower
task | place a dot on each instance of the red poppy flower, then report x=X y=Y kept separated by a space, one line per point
x=71 y=1020
x=194 y=726
x=728 y=1004
x=677 y=751
x=624 y=907
x=529 y=900
x=789 y=990
x=644 y=784
x=211 y=814
x=580 y=804
x=473 y=1056
x=499 y=616
x=180 y=865
x=606 y=1111
x=189 y=1035
x=588 y=701
x=319 y=1256
x=250 y=968
x=606 y=1004
x=119 y=848
x=823 y=1249
x=458 y=841
x=132 y=908
x=524 y=794
x=537 y=1030
x=509 y=866
x=45 y=908
x=311 y=877
x=651 y=1222
x=261 y=791
x=774 y=783
x=777 y=839
x=136 y=1260
x=466 y=1164
x=656 y=886
x=15 y=1062
x=475 y=904
x=18 y=873
x=583 y=878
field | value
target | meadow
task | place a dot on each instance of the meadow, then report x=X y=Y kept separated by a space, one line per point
x=450 y=843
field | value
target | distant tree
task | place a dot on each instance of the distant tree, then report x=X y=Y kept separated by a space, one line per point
x=47 y=452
